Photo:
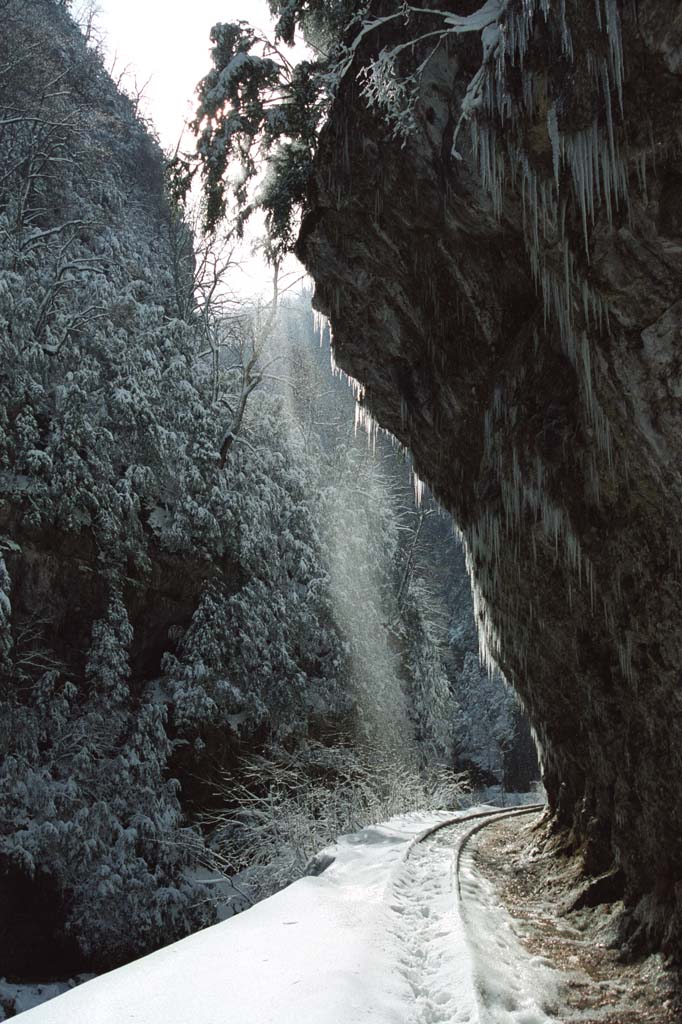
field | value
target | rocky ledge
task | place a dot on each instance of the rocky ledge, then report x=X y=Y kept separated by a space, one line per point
x=504 y=279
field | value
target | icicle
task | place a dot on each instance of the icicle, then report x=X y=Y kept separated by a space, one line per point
x=613 y=31
x=418 y=487
x=321 y=324
x=553 y=132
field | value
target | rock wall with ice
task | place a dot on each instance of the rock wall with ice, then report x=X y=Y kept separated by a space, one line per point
x=504 y=279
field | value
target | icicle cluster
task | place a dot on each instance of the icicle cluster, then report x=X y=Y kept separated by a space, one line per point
x=364 y=420
x=363 y=417
x=534 y=138
x=589 y=172
x=525 y=509
x=579 y=175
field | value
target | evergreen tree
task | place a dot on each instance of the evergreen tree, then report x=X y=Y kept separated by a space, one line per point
x=85 y=799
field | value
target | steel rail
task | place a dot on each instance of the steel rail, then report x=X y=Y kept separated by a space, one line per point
x=482 y=818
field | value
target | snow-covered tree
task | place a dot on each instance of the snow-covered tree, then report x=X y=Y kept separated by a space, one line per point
x=156 y=435
x=259 y=110
x=84 y=799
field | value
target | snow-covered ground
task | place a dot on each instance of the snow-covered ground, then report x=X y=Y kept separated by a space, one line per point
x=21 y=996
x=381 y=936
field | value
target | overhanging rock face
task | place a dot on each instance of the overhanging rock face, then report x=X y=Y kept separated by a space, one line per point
x=508 y=289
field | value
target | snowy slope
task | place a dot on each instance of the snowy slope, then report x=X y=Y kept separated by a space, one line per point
x=377 y=937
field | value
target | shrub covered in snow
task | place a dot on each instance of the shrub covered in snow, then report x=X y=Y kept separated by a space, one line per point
x=283 y=808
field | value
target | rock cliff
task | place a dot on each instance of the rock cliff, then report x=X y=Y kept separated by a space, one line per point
x=504 y=279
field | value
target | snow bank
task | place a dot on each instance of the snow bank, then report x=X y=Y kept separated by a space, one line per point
x=316 y=953
x=382 y=935
x=24 y=997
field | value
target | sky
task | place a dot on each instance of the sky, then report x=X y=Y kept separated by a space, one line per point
x=164 y=46
x=167 y=42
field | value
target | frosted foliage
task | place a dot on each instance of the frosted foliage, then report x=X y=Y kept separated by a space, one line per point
x=269 y=654
x=327 y=631
x=107 y=668
x=108 y=444
x=434 y=710
x=395 y=95
x=290 y=806
x=120 y=856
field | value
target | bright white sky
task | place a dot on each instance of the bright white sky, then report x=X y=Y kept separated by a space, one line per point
x=169 y=41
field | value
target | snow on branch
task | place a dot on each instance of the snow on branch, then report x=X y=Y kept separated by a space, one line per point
x=385 y=88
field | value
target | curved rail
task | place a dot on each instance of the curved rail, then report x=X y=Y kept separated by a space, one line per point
x=513 y=813
x=419 y=896
x=496 y=814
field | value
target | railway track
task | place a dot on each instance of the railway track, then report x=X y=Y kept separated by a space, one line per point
x=482 y=819
x=436 y=903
